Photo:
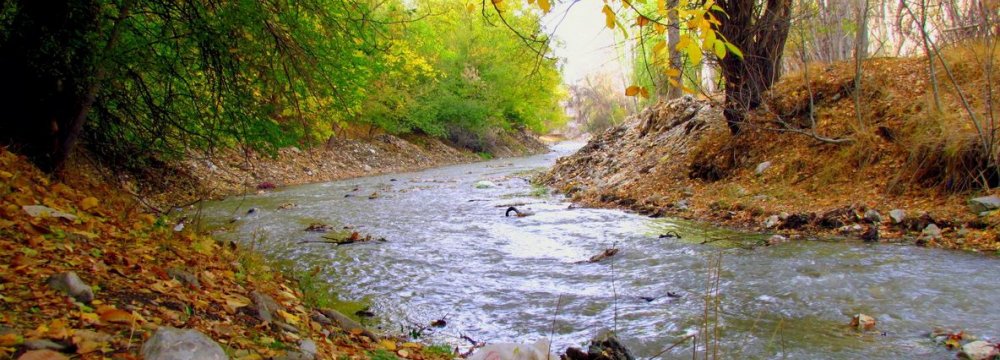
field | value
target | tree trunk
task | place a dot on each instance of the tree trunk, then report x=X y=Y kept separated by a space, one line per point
x=761 y=37
x=674 y=37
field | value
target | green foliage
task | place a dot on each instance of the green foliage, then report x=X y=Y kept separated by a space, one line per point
x=180 y=75
x=442 y=350
x=381 y=355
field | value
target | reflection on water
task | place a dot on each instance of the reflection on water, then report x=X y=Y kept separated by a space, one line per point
x=452 y=253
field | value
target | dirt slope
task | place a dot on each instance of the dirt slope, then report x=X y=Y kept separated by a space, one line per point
x=678 y=159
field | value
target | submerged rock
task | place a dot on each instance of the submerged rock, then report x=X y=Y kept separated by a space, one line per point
x=863 y=322
x=71 y=284
x=484 y=184
x=604 y=255
x=776 y=239
x=980 y=350
x=181 y=344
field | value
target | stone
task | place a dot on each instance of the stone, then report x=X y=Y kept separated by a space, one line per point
x=184 y=277
x=681 y=205
x=484 y=184
x=761 y=168
x=873 y=216
x=608 y=347
x=980 y=350
x=776 y=239
x=897 y=216
x=181 y=344
x=984 y=204
x=42 y=355
x=863 y=322
x=308 y=347
x=71 y=284
x=346 y=323
x=795 y=221
x=772 y=221
x=44 y=344
x=264 y=305
x=931 y=231
x=45 y=211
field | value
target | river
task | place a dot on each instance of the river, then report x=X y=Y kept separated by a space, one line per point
x=451 y=253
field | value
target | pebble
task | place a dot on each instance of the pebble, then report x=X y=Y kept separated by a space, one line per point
x=184 y=277
x=71 y=284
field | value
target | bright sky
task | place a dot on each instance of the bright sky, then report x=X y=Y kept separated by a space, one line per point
x=584 y=42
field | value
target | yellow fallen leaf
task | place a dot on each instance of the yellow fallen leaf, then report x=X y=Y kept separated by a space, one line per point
x=289 y=318
x=88 y=203
x=411 y=345
x=388 y=344
x=10 y=339
x=234 y=302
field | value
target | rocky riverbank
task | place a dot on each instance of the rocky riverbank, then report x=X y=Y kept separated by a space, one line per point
x=89 y=275
x=678 y=159
x=203 y=176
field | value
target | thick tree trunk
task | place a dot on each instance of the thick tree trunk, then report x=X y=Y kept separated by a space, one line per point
x=760 y=33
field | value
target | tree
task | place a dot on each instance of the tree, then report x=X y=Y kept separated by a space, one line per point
x=759 y=30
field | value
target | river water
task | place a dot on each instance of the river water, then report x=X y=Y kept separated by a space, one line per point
x=451 y=253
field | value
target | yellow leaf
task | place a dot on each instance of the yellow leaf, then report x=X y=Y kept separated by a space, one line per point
x=545 y=5
x=288 y=317
x=643 y=92
x=10 y=339
x=472 y=8
x=88 y=203
x=671 y=72
x=412 y=345
x=234 y=302
x=660 y=29
x=388 y=344
x=632 y=90
x=609 y=17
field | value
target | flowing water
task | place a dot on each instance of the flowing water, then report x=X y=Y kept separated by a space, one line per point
x=451 y=253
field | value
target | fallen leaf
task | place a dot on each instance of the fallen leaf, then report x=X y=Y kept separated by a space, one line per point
x=388 y=344
x=10 y=339
x=88 y=203
x=116 y=316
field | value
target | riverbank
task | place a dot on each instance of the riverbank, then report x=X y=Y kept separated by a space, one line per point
x=228 y=172
x=88 y=274
x=895 y=180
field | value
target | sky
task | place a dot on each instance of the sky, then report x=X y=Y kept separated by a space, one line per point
x=587 y=46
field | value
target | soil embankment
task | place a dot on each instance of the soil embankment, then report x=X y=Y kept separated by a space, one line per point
x=892 y=180
x=230 y=172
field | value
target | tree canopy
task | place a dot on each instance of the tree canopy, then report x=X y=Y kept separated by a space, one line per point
x=165 y=77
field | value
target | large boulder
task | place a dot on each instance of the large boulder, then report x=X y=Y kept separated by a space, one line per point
x=181 y=344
